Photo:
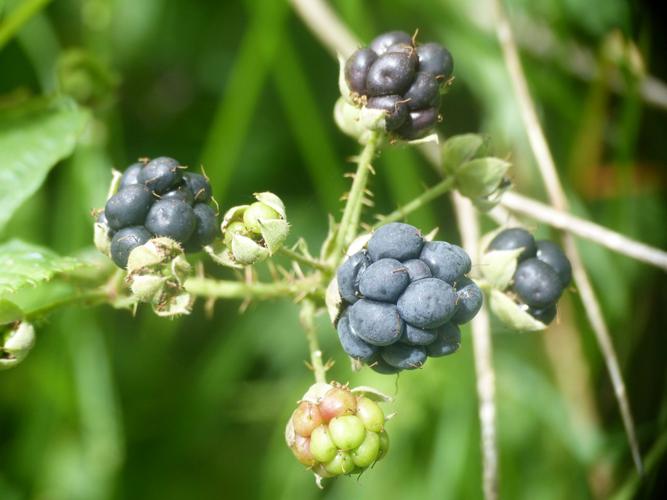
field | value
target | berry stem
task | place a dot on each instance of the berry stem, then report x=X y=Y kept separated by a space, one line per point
x=307 y=318
x=550 y=180
x=426 y=197
x=227 y=289
x=304 y=259
x=349 y=223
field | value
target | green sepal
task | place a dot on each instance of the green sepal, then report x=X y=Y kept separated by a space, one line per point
x=101 y=238
x=274 y=232
x=272 y=201
x=147 y=287
x=498 y=266
x=344 y=89
x=173 y=305
x=232 y=215
x=222 y=256
x=247 y=251
x=460 y=149
x=154 y=252
x=481 y=177
x=511 y=314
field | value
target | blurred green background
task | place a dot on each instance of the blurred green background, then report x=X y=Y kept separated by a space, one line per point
x=111 y=406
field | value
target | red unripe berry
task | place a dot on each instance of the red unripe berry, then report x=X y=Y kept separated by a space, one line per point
x=305 y=418
x=301 y=450
x=336 y=403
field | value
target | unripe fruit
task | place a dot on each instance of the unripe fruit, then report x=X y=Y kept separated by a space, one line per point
x=322 y=446
x=301 y=450
x=367 y=452
x=347 y=432
x=342 y=463
x=370 y=414
x=305 y=418
x=336 y=403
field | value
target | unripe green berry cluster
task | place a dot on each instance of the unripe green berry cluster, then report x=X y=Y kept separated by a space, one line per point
x=339 y=433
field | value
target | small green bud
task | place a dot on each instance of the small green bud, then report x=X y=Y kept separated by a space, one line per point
x=342 y=463
x=321 y=445
x=370 y=414
x=347 y=432
x=16 y=341
x=256 y=214
x=368 y=451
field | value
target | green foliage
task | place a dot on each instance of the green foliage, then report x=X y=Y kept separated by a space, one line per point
x=23 y=264
x=111 y=405
x=34 y=137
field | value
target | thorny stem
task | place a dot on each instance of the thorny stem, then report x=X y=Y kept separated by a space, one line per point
x=349 y=223
x=227 y=289
x=426 y=197
x=307 y=318
x=549 y=173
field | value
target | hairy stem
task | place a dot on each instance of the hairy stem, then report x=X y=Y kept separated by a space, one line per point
x=549 y=173
x=227 y=289
x=307 y=318
x=426 y=197
x=349 y=223
x=483 y=349
x=304 y=259
x=584 y=229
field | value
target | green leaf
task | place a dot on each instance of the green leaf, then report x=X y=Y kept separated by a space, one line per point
x=459 y=149
x=481 y=177
x=9 y=312
x=34 y=137
x=22 y=264
x=512 y=315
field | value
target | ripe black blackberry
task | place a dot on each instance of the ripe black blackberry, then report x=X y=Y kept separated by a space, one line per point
x=403 y=78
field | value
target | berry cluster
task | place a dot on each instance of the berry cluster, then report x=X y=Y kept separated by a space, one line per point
x=402 y=78
x=542 y=273
x=405 y=298
x=340 y=433
x=157 y=198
